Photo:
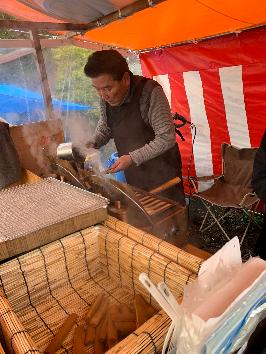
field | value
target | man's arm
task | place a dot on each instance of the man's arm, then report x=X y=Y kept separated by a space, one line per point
x=102 y=132
x=259 y=170
x=160 y=119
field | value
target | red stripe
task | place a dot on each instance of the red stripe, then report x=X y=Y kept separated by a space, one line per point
x=254 y=82
x=145 y=64
x=215 y=111
x=180 y=105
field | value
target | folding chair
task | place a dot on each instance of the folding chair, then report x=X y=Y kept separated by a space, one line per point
x=232 y=190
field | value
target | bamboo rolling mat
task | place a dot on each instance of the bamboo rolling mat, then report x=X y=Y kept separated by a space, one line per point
x=152 y=242
x=125 y=259
x=35 y=214
x=41 y=288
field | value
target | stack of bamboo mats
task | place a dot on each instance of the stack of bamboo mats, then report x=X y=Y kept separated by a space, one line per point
x=43 y=287
x=35 y=214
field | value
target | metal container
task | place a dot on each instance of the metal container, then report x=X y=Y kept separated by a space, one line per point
x=65 y=151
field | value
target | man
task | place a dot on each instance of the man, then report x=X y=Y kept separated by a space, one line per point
x=135 y=112
x=259 y=185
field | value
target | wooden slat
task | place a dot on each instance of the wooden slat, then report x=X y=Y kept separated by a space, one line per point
x=6 y=58
x=152 y=211
x=30 y=25
x=28 y=43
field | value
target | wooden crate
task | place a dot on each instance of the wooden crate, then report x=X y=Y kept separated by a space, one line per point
x=41 y=287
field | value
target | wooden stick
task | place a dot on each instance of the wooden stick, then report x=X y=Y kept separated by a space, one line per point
x=61 y=334
x=166 y=185
x=99 y=346
x=90 y=335
x=124 y=328
x=143 y=310
x=122 y=313
x=78 y=340
x=102 y=336
x=112 y=335
x=94 y=307
x=99 y=314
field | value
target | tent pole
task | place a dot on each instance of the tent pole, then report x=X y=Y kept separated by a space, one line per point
x=44 y=79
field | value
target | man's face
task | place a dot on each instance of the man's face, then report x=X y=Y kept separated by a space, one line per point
x=110 y=90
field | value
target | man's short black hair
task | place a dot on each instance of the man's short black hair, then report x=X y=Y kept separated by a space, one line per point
x=106 y=62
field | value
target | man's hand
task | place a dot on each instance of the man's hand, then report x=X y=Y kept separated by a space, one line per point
x=121 y=164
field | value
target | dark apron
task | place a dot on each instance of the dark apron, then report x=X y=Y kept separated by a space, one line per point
x=130 y=132
x=10 y=170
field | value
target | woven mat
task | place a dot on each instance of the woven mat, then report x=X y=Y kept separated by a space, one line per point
x=35 y=214
x=66 y=276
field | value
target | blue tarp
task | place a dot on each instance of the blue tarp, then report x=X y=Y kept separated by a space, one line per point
x=19 y=105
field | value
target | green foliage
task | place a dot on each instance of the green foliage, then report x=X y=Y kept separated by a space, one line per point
x=66 y=78
x=65 y=72
x=71 y=82
x=8 y=34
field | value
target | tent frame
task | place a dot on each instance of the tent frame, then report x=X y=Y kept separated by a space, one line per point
x=66 y=26
x=35 y=44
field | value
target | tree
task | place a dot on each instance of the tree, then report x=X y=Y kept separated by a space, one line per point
x=71 y=82
x=66 y=78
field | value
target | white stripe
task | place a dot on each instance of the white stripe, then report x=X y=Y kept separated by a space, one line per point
x=163 y=80
x=232 y=89
x=202 y=145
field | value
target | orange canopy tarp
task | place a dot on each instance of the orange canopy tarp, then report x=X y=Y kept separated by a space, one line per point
x=170 y=22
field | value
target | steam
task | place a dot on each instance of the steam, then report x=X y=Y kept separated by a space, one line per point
x=37 y=140
x=79 y=131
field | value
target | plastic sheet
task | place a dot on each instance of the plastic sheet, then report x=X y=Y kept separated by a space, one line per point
x=221 y=309
x=224 y=305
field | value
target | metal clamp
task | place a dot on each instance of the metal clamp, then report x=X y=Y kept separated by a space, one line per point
x=120 y=16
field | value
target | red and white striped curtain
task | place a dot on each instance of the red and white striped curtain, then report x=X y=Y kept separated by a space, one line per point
x=220 y=86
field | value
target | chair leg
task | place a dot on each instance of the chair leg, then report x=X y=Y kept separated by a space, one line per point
x=216 y=220
x=203 y=222
x=251 y=218
x=205 y=217
x=245 y=232
x=213 y=223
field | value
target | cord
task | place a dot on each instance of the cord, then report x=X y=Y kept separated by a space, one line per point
x=194 y=133
x=221 y=13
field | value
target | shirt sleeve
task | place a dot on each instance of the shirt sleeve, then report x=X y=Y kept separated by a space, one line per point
x=102 y=132
x=160 y=119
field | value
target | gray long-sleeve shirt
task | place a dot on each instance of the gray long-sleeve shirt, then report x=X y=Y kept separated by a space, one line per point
x=159 y=117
